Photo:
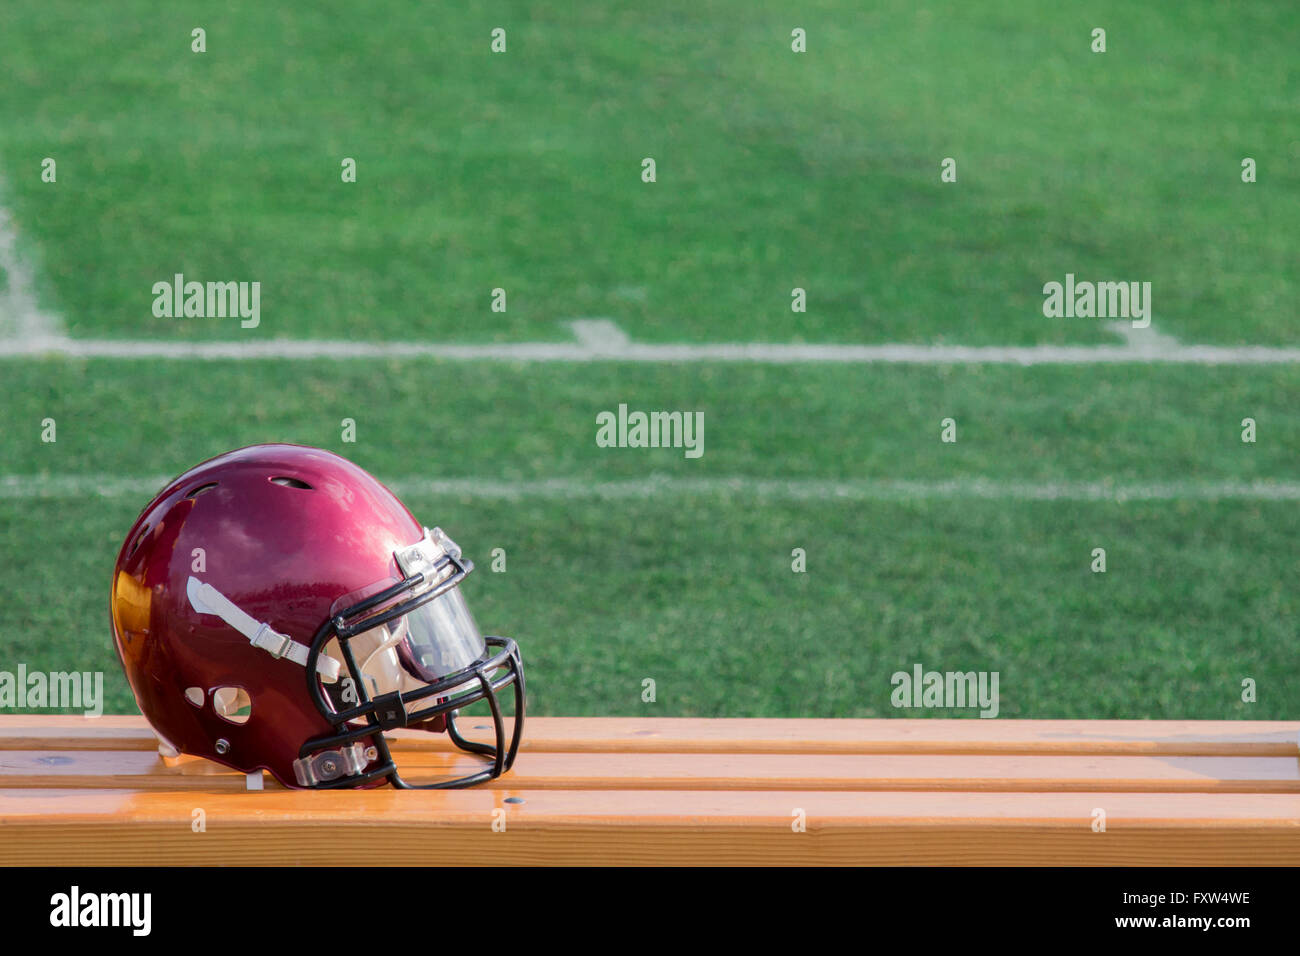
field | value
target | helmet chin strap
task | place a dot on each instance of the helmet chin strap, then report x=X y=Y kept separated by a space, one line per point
x=205 y=599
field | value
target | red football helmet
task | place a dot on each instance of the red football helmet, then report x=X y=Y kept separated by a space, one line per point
x=278 y=608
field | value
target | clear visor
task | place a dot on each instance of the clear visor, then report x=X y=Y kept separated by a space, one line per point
x=433 y=641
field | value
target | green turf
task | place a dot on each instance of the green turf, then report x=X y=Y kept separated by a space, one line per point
x=506 y=422
x=696 y=591
x=775 y=170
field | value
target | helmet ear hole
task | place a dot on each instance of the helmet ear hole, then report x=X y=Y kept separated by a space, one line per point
x=194 y=695
x=232 y=704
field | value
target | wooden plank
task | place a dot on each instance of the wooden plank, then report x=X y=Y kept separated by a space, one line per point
x=910 y=735
x=641 y=828
x=71 y=732
x=765 y=735
x=596 y=771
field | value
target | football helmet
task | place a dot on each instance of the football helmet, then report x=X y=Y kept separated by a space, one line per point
x=278 y=608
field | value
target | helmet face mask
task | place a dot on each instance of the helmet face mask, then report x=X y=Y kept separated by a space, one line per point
x=419 y=658
x=288 y=580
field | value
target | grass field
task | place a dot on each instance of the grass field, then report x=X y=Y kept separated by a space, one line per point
x=775 y=170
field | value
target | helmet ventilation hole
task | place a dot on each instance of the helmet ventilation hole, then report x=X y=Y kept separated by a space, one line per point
x=139 y=538
x=194 y=695
x=232 y=704
x=291 y=482
x=195 y=492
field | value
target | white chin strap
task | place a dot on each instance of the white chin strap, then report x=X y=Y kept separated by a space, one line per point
x=206 y=599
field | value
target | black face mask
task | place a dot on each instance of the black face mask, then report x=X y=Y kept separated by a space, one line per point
x=412 y=657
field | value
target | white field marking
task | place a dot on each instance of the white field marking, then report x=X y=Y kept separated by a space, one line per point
x=1148 y=338
x=775 y=354
x=600 y=334
x=663 y=486
x=20 y=317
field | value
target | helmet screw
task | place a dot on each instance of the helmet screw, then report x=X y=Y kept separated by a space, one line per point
x=329 y=767
x=223 y=745
x=372 y=754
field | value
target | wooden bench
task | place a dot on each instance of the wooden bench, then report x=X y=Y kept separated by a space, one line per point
x=686 y=791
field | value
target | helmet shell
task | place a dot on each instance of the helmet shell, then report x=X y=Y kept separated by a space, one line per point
x=284 y=531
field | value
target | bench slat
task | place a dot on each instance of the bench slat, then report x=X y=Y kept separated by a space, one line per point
x=662 y=790
x=764 y=735
x=144 y=770
x=640 y=827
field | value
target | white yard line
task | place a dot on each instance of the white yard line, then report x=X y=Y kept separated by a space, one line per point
x=600 y=334
x=1148 y=338
x=742 y=353
x=24 y=487
x=21 y=319
x=601 y=344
